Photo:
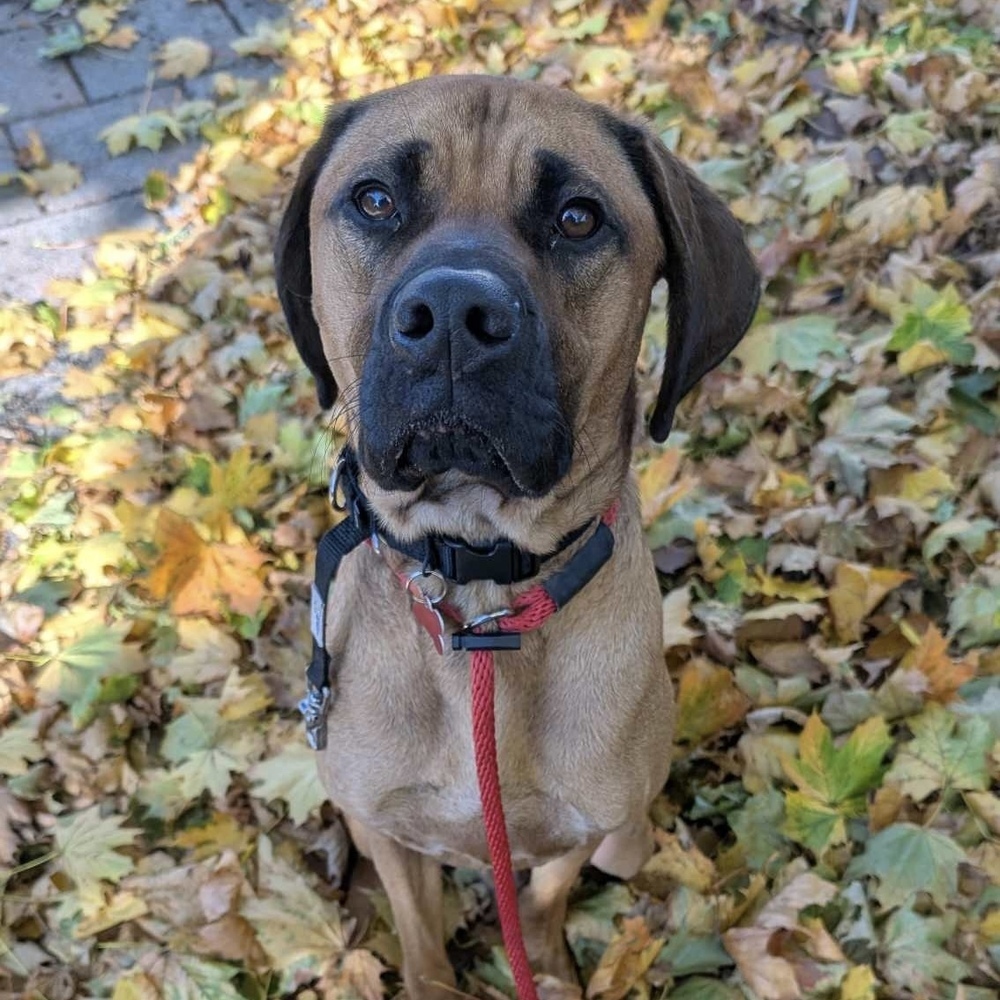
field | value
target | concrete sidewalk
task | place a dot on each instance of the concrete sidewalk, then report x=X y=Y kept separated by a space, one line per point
x=68 y=101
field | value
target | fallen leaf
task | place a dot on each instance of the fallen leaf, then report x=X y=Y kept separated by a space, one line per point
x=183 y=57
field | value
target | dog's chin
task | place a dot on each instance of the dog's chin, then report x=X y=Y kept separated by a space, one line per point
x=435 y=456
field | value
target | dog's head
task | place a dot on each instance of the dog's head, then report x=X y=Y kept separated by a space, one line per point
x=468 y=262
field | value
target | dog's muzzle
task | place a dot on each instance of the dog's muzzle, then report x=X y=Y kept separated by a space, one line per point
x=460 y=377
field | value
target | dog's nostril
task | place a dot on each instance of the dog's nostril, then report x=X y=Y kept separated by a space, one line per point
x=414 y=320
x=486 y=325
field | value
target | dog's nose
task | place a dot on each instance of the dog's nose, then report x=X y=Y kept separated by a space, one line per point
x=445 y=312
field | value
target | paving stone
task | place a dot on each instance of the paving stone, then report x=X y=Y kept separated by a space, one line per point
x=73 y=136
x=33 y=253
x=51 y=85
x=15 y=14
x=247 y=13
x=108 y=72
x=16 y=205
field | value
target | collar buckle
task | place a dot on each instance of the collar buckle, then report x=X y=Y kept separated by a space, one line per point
x=503 y=563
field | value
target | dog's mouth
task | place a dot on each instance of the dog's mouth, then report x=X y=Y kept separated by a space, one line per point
x=432 y=448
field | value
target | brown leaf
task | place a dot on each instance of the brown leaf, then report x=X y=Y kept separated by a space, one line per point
x=944 y=675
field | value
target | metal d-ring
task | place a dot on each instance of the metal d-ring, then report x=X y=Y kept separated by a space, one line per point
x=485 y=619
x=338 y=470
x=419 y=594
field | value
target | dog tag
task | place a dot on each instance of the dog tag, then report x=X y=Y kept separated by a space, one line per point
x=431 y=621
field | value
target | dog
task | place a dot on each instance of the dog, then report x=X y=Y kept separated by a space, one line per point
x=466 y=263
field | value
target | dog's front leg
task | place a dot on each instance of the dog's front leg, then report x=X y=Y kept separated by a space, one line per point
x=412 y=882
x=542 y=906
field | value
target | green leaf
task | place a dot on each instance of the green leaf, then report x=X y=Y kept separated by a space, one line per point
x=291 y=776
x=840 y=776
x=188 y=978
x=825 y=182
x=687 y=954
x=913 y=956
x=975 y=615
x=812 y=823
x=940 y=319
x=907 y=859
x=207 y=747
x=146 y=131
x=797 y=343
x=946 y=753
x=758 y=828
x=100 y=653
x=703 y=988
x=86 y=845
x=907 y=133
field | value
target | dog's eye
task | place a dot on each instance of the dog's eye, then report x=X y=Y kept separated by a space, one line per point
x=374 y=202
x=579 y=219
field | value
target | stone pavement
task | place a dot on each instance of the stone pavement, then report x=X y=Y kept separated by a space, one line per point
x=70 y=100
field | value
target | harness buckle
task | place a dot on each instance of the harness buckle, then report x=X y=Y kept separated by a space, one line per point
x=314 y=707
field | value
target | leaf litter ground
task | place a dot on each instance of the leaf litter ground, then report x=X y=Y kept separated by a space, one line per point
x=824 y=520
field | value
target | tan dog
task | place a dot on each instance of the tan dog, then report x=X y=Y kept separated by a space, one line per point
x=470 y=260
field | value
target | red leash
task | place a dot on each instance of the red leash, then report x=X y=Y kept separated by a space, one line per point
x=531 y=611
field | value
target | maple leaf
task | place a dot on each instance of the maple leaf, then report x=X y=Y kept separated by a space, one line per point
x=207 y=748
x=183 y=57
x=946 y=753
x=292 y=776
x=856 y=592
x=625 y=960
x=146 y=131
x=944 y=675
x=86 y=844
x=301 y=932
x=914 y=958
x=202 y=577
x=907 y=859
x=832 y=781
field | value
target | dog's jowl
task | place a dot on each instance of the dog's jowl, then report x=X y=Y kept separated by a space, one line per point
x=465 y=265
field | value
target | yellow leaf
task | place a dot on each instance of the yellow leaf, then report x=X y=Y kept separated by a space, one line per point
x=990 y=927
x=243 y=695
x=859 y=984
x=59 y=178
x=642 y=27
x=708 y=700
x=121 y=38
x=923 y=354
x=857 y=590
x=240 y=481
x=249 y=181
x=655 y=479
x=183 y=57
x=624 y=961
x=673 y=863
x=799 y=590
x=927 y=487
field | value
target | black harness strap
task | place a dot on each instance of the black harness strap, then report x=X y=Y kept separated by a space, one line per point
x=503 y=562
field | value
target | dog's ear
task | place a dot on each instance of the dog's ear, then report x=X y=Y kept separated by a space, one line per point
x=711 y=275
x=292 y=260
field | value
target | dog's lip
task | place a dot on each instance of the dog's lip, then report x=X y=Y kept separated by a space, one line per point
x=449 y=424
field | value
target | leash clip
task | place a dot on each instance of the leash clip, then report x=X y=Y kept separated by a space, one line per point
x=338 y=471
x=314 y=707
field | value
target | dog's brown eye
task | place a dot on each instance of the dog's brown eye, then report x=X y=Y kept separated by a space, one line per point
x=579 y=219
x=375 y=202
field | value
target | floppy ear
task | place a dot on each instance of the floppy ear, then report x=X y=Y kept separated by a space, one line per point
x=711 y=275
x=293 y=262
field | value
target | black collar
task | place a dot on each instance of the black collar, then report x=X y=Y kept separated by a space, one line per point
x=457 y=561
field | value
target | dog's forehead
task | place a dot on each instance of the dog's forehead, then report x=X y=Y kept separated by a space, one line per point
x=481 y=140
